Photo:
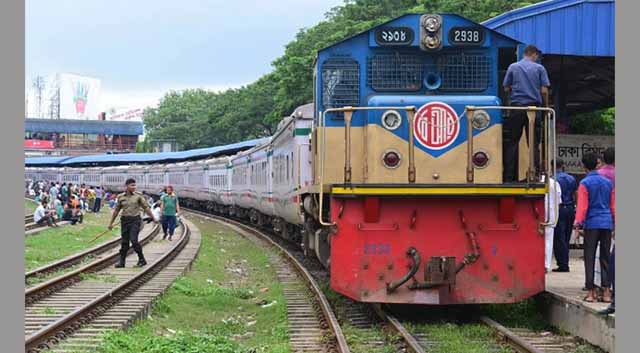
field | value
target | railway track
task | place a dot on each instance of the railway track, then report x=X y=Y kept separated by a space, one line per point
x=70 y=312
x=365 y=317
x=310 y=317
x=80 y=257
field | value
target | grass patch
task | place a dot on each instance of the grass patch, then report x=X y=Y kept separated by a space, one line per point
x=55 y=243
x=525 y=314
x=528 y=314
x=47 y=311
x=360 y=340
x=449 y=337
x=216 y=306
x=98 y=277
x=29 y=207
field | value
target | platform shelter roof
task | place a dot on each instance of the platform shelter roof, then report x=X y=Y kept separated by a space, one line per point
x=562 y=27
x=143 y=158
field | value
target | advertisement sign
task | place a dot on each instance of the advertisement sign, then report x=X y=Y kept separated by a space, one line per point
x=129 y=115
x=571 y=148
x=38 y=144
x=79 y=97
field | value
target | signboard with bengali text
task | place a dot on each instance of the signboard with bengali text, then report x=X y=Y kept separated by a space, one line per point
x=571 y=148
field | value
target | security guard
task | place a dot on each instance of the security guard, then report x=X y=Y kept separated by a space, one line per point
x=131 y=203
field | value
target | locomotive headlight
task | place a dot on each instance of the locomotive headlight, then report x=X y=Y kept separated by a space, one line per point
x=391 y=159
x=431 y=41
x=391 y=120
x=480 y=120
x=480 y=159
x=431 y=23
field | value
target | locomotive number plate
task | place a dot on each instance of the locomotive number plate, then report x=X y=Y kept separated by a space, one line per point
x=461 y=36
x=394 y=36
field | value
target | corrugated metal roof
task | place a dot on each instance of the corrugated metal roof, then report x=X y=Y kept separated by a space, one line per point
x=563 y=27
x=69 y=126
x=44 y=161
x=128 y=158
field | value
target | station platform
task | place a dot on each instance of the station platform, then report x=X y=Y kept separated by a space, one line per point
x=567 y=311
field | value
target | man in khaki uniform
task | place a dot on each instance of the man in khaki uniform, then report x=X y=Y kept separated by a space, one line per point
x=131 y=203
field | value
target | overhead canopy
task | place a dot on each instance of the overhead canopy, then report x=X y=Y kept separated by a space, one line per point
x=129 y=158
x=91 y=127
x=577 y=40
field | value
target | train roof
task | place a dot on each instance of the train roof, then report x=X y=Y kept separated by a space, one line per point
x=391 y=21
x=142 y=158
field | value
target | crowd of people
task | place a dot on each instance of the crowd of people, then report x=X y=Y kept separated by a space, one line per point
x=66 y=201
x=588 y=208
x=69 y=202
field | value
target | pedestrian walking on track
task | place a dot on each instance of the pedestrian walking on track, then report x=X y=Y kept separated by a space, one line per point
x=170 y=208
x=131 y=203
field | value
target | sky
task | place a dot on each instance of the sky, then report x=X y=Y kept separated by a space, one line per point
x=140 y=49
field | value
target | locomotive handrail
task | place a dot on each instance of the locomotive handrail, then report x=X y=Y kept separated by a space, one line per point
x=347 y=151
x=550 y=132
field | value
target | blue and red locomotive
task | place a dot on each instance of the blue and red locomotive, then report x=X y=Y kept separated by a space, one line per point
x=393 y=176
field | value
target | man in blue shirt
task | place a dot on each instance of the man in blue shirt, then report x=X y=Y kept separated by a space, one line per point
x=566 y=216
x=527 y=84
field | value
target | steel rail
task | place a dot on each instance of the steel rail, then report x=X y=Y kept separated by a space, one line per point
x=44 y=289
x=72 y=259
x=332 y=321
x=53 y=333
x=412 y=344
x=512 y=339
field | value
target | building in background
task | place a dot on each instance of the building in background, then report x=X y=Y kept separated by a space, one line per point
x=79 y=137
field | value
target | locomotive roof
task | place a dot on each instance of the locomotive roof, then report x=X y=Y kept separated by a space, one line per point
x=494 y=32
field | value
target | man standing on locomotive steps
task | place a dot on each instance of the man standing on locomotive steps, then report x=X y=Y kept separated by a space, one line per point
x=527 y=84
x=131 y=203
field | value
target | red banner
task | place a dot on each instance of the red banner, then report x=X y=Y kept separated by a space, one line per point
x=38 y=144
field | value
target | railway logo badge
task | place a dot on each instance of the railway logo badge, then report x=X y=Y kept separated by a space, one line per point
x=436 y=125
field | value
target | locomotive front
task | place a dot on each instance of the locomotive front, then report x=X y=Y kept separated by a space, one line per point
x=408 y=202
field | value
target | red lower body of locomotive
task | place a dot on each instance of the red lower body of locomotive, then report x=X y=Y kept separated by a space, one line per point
x=437 y=251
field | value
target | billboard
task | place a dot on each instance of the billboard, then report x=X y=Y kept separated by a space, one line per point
x=79 y=96
x=38 y=144
x=129 y=115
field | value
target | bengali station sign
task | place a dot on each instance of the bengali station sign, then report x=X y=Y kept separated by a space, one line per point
x=571 y=148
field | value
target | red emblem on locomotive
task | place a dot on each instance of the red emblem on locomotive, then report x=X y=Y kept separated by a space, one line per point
x=436 y=125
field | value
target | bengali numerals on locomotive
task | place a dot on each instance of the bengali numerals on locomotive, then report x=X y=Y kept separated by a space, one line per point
x=394 y=36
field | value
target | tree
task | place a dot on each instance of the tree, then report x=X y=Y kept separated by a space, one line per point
x=599 y=122
x=198 y=118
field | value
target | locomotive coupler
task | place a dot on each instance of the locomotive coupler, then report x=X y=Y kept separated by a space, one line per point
x=413 y=253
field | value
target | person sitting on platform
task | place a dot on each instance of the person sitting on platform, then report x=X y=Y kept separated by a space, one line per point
x=42 y=215
x=595 y=214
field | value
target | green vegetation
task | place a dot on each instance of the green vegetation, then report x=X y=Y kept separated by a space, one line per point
x=199 y=118
x=98 y=277
x=359 y=339
x=528 y=314
x=460 y=338
x=56 y=243
x=216 y=307
x=29 y=207
x=599 y=122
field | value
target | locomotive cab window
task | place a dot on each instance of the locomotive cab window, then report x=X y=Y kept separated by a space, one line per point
x=340 y=83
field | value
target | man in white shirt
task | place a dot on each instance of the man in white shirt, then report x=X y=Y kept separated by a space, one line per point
x=551 y=203
x=42 y=216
